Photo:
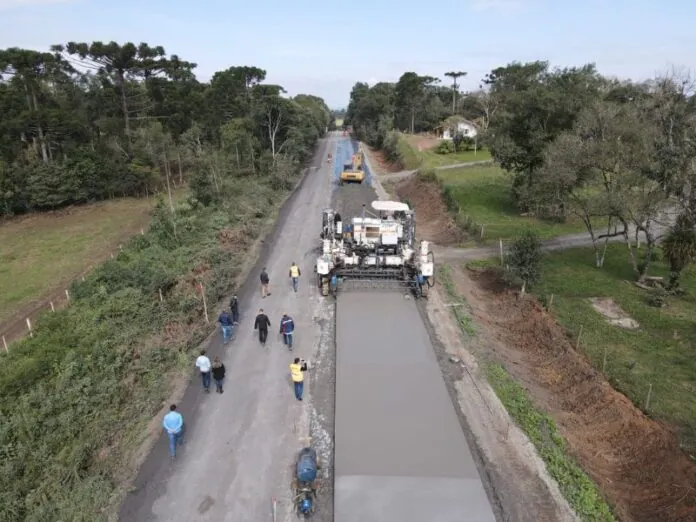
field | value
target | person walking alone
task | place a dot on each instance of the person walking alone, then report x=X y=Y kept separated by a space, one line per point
x=297 y=370
x=234 y=309
x=265 y=281
x=287 y=328
x=226 y=325
x=294 y=274
x=218 y=374
x=203 y=364
x=261 y=324
x=173 y=424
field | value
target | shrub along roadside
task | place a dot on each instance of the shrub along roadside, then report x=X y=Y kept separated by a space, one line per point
x=77 y=395
x=578 y=489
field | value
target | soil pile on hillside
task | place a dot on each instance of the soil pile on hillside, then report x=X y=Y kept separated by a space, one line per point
x=433 y=221
x=636 y=462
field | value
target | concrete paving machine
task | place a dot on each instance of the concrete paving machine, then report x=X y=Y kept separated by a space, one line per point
x=374 y=250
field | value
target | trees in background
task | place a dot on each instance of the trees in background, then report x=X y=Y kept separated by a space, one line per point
x=89 y=121
x=618 y=155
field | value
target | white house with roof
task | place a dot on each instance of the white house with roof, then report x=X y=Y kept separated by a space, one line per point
x=454 y=125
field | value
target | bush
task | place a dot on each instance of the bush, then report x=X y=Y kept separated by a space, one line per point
x=523 y=260
x=446 y=147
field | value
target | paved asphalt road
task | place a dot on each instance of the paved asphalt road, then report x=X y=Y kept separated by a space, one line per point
x=400 y=452
x=240 y=447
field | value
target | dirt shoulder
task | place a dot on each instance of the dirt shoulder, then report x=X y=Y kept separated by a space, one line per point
x=636 y=461
x=518 y=484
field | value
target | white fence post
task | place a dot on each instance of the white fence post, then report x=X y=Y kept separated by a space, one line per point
x=31 y=334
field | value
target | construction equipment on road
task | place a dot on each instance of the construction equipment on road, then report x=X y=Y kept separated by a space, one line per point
x=376 y=251
x=353 y=172
x=305 y=482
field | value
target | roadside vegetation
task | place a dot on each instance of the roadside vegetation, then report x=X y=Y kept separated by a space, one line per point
x=652 y=364
x=79 y=394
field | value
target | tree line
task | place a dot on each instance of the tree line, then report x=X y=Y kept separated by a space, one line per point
x=89 y=121
x=620 y=155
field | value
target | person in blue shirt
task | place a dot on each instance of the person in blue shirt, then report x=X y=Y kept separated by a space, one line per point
x=287 y=328
x=173 y=424
x=225 y=321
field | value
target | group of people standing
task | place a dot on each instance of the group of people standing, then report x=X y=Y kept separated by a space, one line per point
x=173 y=422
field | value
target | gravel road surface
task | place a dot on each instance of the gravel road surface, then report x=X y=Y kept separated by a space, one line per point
x=240 y=446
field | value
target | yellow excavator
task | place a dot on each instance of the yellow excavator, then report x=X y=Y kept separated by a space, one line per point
x=353 y=172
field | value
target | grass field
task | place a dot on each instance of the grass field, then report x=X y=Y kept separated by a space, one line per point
x=432 y=159
x=423 y=149
x=42 y=253
x=484 y=194
x=659 y=353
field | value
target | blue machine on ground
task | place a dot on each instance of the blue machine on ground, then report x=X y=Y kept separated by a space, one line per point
x=305 y=482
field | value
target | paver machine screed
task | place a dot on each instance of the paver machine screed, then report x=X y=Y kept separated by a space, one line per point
x=374 y=250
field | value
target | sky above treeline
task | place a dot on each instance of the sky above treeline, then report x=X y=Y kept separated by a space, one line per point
x=323 y=48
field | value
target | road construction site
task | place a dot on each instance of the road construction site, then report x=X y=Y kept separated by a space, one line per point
x=403 y=433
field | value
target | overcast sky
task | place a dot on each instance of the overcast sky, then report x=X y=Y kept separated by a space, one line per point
x=324 y=47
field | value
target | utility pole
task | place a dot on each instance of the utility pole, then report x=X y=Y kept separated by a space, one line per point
x=454 y=75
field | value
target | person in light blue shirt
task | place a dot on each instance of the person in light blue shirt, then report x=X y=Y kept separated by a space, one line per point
x=173 y=424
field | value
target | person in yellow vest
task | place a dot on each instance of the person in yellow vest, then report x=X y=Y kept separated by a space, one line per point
x=295 y=274
x=297 y=370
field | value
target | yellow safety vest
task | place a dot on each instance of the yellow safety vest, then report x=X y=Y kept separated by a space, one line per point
x=296 y=372
x=294 y=271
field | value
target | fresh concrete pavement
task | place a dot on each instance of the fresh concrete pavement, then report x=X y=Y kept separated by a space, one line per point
x=241 y=446
x=400 y=452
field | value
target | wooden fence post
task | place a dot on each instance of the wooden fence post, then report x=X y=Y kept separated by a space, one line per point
x=67 y=295
x=647 y=400
x=160 y=294
x=4 y=343
x=502 y=256
x=577 y=344
x=205 y=304
x=53 y=308
x=481 y=231
x=31 y=334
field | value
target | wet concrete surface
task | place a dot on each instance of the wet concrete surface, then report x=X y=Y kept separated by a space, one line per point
x=241 y=446
x=400 y=452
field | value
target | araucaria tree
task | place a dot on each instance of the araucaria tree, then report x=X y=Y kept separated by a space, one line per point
x=92 y=120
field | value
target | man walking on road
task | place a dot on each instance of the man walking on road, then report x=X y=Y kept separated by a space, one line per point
x=287 y=328
x=294 y=274
x=265 y=281
x=203 y=364
x=297 y=370
x=173 y=424
x=234 y=309
x=226 y=325
x=261 y=324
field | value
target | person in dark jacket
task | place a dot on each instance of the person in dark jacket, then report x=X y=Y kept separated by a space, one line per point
x=234 y=309
x=218 y=374
x=261 y=324
x=226 y=325
x=287 y=328
x=265 y=281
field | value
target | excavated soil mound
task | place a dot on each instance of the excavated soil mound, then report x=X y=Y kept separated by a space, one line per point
x=433 y=221
x=636 y=462
x=381 y=164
